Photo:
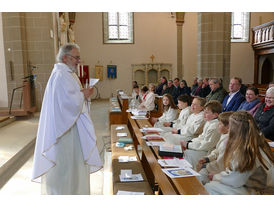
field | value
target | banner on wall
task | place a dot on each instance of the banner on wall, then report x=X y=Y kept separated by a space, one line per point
x=112 y=71
x=99 y=71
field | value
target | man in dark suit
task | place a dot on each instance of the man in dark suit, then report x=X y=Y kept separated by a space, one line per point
x=176 y=90
x=170 y=87
x=159 y=88
x=233 y=100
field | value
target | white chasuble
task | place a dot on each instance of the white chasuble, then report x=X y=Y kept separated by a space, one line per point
x=63 y=117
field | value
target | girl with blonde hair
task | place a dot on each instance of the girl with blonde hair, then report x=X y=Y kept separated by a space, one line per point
x=248 y=160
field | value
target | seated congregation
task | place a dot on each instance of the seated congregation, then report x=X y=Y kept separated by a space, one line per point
x=224 y=135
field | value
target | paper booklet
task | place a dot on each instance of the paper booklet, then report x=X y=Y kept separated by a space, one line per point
x=127 y=176
x=121 y=134
x=122 y=192
x=158 y=144
x=180 y=172
x=151 y=130
x=182 y=163
x=139 y=117
x=92 y=82
x=170 y=150
x=152 y=137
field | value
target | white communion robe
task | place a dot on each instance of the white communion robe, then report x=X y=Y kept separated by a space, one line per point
x=168 y=116
x=65 y=151
x=190 y=130
x=148 y=102
x=204 y=143
x=181 y=121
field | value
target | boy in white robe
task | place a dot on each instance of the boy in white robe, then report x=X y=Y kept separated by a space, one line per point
x=198 y=147
x=213 y=163
x=193 y=126
x=65 y=152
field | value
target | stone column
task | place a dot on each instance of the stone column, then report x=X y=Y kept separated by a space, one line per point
x=179 y=21
x=214 y=31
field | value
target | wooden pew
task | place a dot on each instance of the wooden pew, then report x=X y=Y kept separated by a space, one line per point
x=115 y=117
x=136 y=166
x=185 y=185
x=159 y=112
x=124 y=103
x=150 y=164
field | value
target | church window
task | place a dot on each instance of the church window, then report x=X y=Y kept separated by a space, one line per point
x=240 y=26
x=118 y=27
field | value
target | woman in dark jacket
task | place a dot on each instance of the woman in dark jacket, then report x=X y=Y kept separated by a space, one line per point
x=265 y=115
x=184 y=89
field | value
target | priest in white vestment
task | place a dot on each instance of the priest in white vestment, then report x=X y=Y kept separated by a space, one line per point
x=65 y=152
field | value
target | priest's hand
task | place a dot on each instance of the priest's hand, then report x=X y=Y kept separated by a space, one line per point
x=87 y=92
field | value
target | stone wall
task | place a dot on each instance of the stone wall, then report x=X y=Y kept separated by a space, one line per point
x=28 y=44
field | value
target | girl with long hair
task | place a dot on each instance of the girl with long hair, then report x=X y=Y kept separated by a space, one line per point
x=170 y=112
x=248 y=160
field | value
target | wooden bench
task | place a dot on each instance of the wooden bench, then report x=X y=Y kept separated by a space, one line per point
x=135 y=166
x=124 y=103
x=115 y=115
x=149 y=157
x=159 y=104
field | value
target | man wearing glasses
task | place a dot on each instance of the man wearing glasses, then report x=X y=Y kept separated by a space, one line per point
x=65 y=151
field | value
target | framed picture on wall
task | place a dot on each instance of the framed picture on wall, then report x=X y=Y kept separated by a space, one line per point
x=99 y=70
x=112 y=71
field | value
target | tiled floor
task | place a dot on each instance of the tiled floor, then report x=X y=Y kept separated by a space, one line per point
x=19 y=133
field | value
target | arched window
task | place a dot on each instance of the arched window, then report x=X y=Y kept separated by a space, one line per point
x=118 y=27
x=240 y=26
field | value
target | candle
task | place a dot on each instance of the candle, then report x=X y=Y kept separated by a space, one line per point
x=82 y=71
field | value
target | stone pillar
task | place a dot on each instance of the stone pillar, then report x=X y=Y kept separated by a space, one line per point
x=214 y=31
x=179 y=21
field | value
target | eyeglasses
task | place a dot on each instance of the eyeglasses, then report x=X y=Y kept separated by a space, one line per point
x=269 y=97
x=76 y=58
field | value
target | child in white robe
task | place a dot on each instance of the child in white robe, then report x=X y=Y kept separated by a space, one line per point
x=193 y=126
x=170 y=112
x=198 y=147
x=184 y=102
x=213 y=163
x=148 y=99
x=248 y=160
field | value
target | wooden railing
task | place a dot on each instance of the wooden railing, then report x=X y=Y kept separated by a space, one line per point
x=263 y=34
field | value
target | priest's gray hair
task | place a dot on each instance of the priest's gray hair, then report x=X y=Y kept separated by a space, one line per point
x=64 y=50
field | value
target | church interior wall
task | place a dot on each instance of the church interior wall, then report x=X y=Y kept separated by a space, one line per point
x=154 y=34
x=3 y=79
x=242 y=54
x=28 y=44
